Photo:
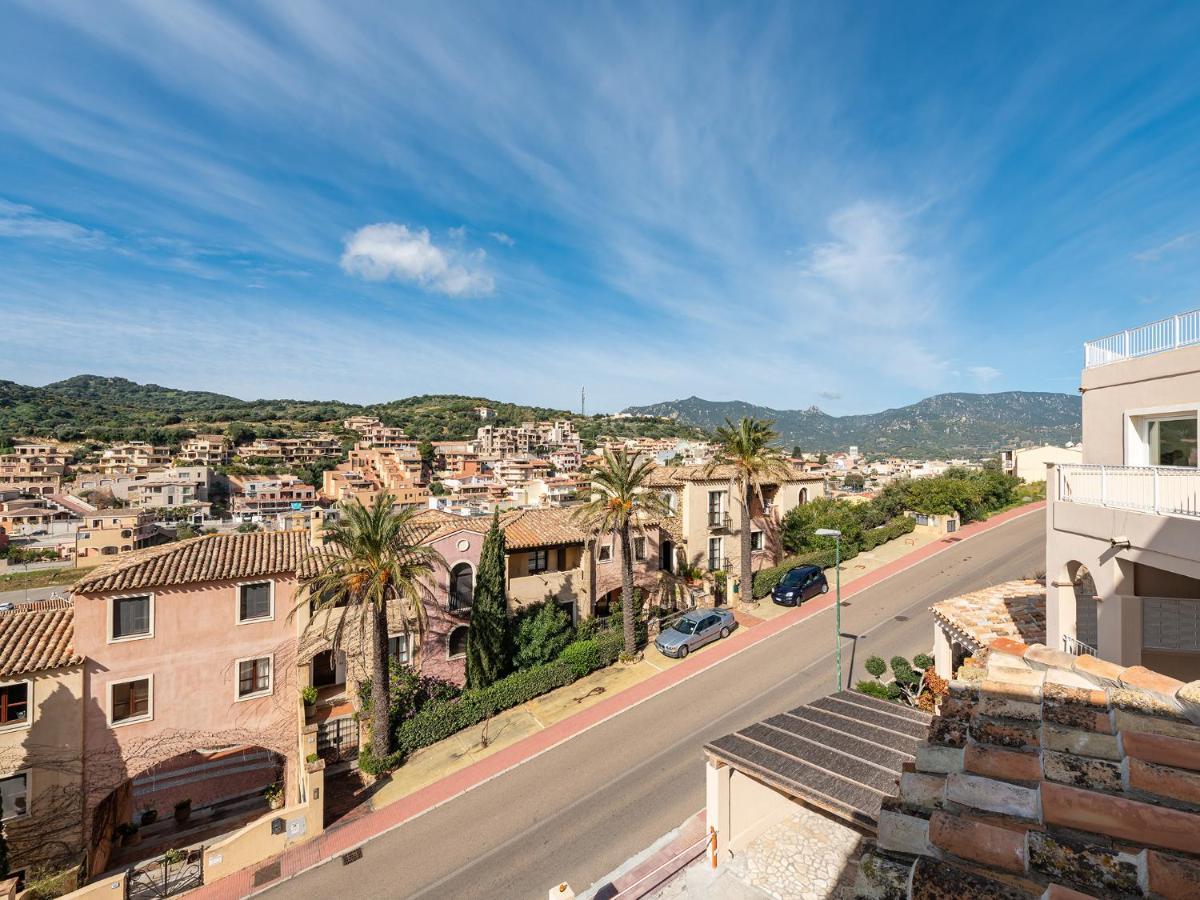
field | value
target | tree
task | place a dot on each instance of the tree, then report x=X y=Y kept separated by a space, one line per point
x=620 y=502
x=747 y=449
x=854 y=480
x=822 y=459
x=489 y=650
x=797 y=452
x=542 y=632
x=372 y=558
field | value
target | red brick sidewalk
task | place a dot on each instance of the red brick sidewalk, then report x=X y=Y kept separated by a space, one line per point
x=342 y=838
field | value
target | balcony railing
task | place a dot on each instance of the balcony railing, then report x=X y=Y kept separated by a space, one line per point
x=719 y=520
x=1161 y=490
x=1182 y=330
x=1077 y=647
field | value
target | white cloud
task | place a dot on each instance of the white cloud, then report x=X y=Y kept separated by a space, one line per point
x=1154 y=254
x=20 y=221
x=829 y=395
x=985 y=374
x=501 y=238
x=389 y=250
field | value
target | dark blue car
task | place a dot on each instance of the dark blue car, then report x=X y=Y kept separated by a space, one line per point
x=798 y=585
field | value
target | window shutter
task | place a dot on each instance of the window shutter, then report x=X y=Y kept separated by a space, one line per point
x=1170 y=624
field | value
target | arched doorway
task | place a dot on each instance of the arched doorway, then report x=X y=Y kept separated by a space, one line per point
x=456 y=645
x=1077 y=601
x=462 y=587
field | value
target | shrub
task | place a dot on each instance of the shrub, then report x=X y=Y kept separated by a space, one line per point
x=308 y=694
x=438 y=720
x=874 y=689
x=540 y=634
x=370 y=765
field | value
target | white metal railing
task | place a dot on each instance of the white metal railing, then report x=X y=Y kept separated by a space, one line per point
x=1182 y=330
x=1162 y=490
x=1077 y=647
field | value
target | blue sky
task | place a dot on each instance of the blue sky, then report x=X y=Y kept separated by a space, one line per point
x=848 y=205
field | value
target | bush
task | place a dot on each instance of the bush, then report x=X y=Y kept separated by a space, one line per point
x=765 y=580
x=370 y=765
x=540 y=633
x=440 y=719
x=875 y=689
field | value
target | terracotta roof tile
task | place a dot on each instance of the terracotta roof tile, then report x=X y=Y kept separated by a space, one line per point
x=36 y=636
x=668 y=476
x=1014 y=610
x=210 y=557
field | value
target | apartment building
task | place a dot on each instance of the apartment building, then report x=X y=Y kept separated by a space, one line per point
x=25 y=516
x=457 y=457
x=109 y=532
x=266 y=495
x=387 y=466
x=1123 y=526
x=375 y=434
x=190 y=680
x=206 y=449
x=708 y=507
x=1029 y=463
x=157 y=489
x=566 y=459
x=41 y=736
x=511 y=440
x=133 y=456
x=31 y=474
x=44 y=451
x=516 y=472
x=295 y=450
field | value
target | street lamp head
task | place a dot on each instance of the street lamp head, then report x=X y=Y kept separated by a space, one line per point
x=828 y=532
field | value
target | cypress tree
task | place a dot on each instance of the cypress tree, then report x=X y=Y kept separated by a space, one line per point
x=489 y=648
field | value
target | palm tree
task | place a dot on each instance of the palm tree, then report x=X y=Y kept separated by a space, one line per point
x=620 y=502
x=372 y=556
x=746 y=448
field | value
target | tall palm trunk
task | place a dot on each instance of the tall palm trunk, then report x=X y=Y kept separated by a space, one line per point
x=746 y=573
x=381 y=725
x=627 y=611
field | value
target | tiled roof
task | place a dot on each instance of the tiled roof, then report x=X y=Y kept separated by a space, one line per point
x=1014 y=609
x=37 y=636
x=210 y=557
x=1048 y=775
x=540 y=528
x=669 y=476
x=843 y=753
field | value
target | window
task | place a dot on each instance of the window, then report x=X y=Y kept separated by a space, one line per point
x=605 y=552
x=254 y=677
x=462 y=587
x=129 y=701
x=14 y=703
x=1172 y=442
x=639 y=548
x=716 y=504
x=14 y=796
x=398 y=648
x=255 y=602
x=458 y=642
x=803 y=496
x=714 y=554
x=538 y=562
x=132 y=617
x=756 y=540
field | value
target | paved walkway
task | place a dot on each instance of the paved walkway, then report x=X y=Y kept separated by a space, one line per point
x=505 y=753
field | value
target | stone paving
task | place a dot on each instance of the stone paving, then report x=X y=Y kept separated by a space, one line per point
x=807 y=856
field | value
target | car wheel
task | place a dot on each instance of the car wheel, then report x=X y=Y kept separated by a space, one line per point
x=683 y=651
x=825 y=588
x=725 y=632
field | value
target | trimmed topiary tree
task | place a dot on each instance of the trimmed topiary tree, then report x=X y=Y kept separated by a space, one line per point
x=489 y=649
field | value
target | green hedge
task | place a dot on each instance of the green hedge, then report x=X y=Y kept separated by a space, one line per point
x=440 y=719
x=765 y=580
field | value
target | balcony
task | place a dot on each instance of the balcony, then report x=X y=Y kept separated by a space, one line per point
x=1158 y=490
x=1182 y=330
x=719 y=521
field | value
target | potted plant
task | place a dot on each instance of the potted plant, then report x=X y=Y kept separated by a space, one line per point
x=174 y=857
x=128 y=833
x=274 y=795
x=147 y=816
x=308 y=694
x=183 y=811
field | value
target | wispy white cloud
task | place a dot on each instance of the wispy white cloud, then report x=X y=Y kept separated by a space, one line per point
x=1174 y=245
x=501 y=238
x=24 y=222
x=985 y=375
x=388 y=250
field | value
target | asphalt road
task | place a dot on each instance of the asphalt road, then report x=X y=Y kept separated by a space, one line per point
x=578 y=811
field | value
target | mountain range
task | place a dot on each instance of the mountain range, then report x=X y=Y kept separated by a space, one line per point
x=943 y=425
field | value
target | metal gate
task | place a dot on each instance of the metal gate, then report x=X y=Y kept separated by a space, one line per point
x=172 y=873
x=337 y=739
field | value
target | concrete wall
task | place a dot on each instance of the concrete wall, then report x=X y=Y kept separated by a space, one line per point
x=1029 y=463
x=1110 y=392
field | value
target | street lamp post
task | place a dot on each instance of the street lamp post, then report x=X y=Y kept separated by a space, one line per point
x=837 y=556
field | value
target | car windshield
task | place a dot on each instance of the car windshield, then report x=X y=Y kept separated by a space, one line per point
x=793 y=578
x=685 y=626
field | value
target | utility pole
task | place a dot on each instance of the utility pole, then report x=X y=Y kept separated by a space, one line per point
x=583 y=401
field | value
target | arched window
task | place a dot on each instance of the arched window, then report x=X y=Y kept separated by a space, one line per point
x=803 y=495
x=462 y=587
x=458 y=642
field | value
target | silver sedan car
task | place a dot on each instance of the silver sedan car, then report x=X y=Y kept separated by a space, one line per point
x=694 y=629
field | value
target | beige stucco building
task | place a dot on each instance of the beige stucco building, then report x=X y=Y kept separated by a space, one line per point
x=708 y=508
x=1123 y=527
x=1029 y=463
